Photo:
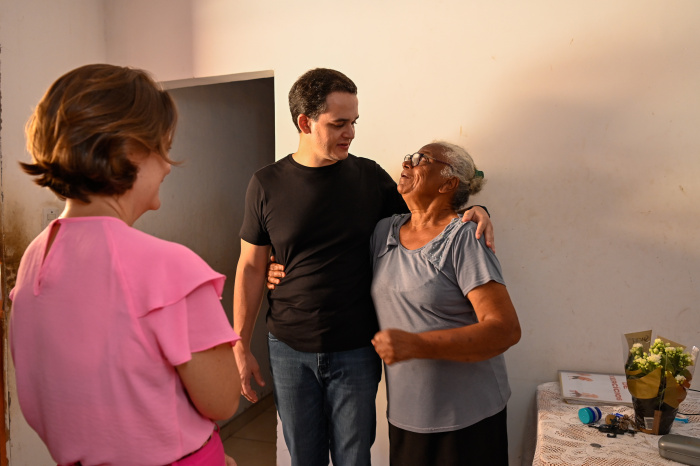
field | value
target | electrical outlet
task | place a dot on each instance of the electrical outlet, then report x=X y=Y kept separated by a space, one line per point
x=47 y=215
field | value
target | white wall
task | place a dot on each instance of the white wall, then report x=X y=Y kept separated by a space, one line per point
x=39 y=41
x=226 y=132
x=161 y=29
x=583 y=115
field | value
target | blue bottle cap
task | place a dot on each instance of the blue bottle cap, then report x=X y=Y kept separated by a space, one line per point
x=589 y=415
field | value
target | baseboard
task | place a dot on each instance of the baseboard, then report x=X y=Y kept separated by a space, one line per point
x=236 y=423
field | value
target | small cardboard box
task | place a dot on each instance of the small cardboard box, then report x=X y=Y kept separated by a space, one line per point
x=680 y=448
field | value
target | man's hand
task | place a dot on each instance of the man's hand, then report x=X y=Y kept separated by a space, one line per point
x=394 y=345
x=275 y=271
x=230 y=461
x=247 y=368
x=483 y=224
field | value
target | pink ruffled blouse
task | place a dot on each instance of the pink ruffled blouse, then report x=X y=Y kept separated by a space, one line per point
x=96 y=330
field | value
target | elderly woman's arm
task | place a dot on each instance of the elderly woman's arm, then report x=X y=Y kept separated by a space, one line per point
x=497 y=330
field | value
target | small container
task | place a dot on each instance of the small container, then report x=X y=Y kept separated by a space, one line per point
x=680 y=448
x=590 y=415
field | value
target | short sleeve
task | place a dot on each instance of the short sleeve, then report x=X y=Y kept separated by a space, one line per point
x=253 y=228
x=378 y=240
x=475 y=264
x=193 y=324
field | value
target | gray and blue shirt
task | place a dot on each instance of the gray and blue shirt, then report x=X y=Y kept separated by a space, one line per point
x=425 y=289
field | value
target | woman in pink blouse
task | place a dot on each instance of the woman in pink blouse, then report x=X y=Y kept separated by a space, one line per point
x=121 y=347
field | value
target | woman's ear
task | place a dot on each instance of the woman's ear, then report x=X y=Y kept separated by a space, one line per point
x=449 y=185
x=137 y=153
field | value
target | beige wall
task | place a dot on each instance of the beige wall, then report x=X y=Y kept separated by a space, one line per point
x=39 y=40
x=225 y=133
x=582 y=114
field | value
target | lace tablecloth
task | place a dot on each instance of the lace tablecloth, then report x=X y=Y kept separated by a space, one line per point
x=562 y=439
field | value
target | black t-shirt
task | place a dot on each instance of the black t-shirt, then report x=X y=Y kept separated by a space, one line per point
x=319 y=221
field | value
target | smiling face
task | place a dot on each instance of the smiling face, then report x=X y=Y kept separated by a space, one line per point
x=333 y=131
x=425 y=179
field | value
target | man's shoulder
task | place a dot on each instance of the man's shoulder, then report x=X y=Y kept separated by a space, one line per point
x=279 y=170
x=365 y=166
x=362 y=161
x=273 y=168
x=272 y=175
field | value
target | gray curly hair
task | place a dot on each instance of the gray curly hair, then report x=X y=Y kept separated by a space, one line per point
x=470 y=179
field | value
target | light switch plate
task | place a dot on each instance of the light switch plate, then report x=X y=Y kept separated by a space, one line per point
x=47 y=215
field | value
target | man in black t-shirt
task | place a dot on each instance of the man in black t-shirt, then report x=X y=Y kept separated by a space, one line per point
x=316 y=210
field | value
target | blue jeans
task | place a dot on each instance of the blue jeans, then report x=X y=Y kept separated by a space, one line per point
x=326 y=402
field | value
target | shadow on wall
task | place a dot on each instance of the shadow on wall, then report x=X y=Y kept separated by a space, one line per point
x=597 y=207
x=225 y=133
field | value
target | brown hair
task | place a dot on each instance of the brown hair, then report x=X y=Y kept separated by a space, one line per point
x=308 y=94
x=87 y=123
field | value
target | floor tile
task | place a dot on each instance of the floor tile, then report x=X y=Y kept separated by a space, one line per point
x=250 y=452
x=254 y=444
x=262 y=428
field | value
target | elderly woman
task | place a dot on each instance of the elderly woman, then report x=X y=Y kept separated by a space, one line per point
x=121 y=347
x=445 y=318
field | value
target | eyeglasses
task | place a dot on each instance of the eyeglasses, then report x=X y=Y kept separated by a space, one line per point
x=415 y=159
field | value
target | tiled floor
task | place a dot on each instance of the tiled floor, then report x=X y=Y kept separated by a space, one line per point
x=254 y=444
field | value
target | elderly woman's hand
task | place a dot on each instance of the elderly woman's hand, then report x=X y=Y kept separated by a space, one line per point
x=483 y=224
x=275 y=272
x=394 y=345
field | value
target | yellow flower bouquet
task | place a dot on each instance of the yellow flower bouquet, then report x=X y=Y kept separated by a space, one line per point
x=658 y=376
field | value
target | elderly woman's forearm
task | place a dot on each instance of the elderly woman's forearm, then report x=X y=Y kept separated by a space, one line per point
x=472 y=343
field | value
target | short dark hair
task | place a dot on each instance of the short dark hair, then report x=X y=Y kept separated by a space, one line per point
x=308 y=94
x=86 y=124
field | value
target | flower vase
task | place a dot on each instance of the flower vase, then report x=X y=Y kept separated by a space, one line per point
x=653 y=416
